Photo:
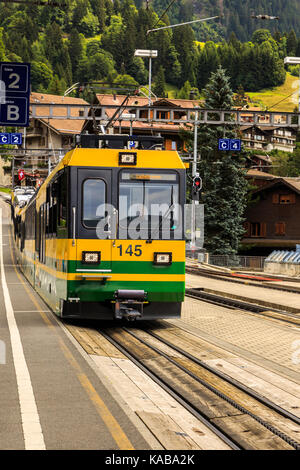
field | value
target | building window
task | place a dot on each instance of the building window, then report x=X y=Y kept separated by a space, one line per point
x=162 y=115
x=280 y=228
x=258 y=229
x=284 y=198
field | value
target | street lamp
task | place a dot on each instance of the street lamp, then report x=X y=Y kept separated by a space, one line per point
x=151 y=54
x=294 y=61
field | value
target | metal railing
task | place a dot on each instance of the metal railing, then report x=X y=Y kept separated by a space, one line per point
x=246 y=262
x=154 y=113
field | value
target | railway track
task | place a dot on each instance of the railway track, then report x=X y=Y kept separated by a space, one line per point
x=238 y=415
x=229 y=302
x=228 y=277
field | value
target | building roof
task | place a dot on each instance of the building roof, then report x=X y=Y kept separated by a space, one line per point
x=143 y=101
x=61 y=126
x=117 y=100
x=265 y=158
x=252 y=173
x=292 y=183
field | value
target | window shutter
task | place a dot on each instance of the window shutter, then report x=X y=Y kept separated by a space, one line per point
x=282 y=228
x=293 y=198
x=263 y=229
x=247 y=229
x=275 y=198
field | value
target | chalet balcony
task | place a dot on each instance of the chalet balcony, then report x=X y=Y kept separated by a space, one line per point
x=34 y=132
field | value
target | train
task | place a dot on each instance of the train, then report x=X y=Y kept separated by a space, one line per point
x=103 y=237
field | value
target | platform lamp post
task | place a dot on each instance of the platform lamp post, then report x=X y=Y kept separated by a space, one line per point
x=294 y=61
x=151 y=53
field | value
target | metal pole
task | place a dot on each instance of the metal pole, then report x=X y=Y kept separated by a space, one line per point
x=13 y=173
x=150 y=67
x=194 y=173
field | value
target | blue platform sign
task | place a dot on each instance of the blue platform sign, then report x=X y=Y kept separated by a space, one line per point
x=4 y=138
x=224 y=144
x=13 y=139
x=230 y=144
x=14 y=94
x=235 y=144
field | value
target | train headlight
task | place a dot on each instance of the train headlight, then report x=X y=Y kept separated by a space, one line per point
x=91 y=257
x=162 y=259
x=127 y=158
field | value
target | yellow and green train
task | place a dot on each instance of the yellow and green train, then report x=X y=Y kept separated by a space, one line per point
x=103 y=237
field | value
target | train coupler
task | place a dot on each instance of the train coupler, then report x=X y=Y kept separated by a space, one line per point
x=129 y=304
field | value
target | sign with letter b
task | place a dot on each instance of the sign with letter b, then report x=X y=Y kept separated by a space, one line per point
x=14 y=94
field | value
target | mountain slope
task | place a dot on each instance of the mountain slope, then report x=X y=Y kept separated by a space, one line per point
x=236 y=15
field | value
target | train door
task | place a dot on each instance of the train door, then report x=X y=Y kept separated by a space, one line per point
x=42 y=248
x=94 y=221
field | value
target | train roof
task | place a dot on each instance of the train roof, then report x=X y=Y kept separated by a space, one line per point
x=110 y=158
x=88 y=154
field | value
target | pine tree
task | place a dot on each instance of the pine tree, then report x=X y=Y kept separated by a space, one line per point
x=224 y=184
x=160 y=85
x=291 y=43
x=184 y=92
x=75 y=49
x=2 y=48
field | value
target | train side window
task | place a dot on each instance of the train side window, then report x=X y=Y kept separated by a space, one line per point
x=62 y=205
x=94 y=196
x=48 y=211
x=54 y=200
x=37 y=231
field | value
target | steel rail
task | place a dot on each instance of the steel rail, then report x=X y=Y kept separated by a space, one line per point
x=252 y=282
x=229 y=400
x=241 y=304
x=235 y=383
x=176 y=395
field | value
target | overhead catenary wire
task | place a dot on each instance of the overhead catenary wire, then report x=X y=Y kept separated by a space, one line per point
x=161 y=16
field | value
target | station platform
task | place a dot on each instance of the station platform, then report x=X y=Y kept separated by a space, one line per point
x=272 y=298
x=51 y=396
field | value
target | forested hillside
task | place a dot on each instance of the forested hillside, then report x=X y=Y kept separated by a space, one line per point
x=96 y=39
x=236 y=15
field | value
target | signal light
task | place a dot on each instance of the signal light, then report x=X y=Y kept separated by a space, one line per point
x=197 y=183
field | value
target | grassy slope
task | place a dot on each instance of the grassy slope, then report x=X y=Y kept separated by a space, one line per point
x=267 y=98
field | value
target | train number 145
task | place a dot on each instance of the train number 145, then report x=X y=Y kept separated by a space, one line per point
x=131 y=250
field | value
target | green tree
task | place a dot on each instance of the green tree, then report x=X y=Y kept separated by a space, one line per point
x=261 y=35
x=125 y=79
x=75 y=46
x=184 y=92
x=100 y=65
x=41 y=76
x=98 y=7
x=291 y=43
x=159 y=87
x=240 y=98
x=224 y=184
x=56 y=87
x=2 y=47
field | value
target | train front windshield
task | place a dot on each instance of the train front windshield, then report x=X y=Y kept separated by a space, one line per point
x=149 y=205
